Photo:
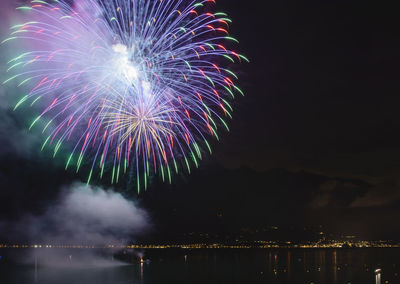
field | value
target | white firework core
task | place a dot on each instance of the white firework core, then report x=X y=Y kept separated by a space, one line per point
x=134 y=86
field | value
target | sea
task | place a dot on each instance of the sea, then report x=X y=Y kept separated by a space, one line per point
x=200 y=266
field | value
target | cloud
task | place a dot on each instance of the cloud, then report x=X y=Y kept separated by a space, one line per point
x=337 y=193
x=381 y=195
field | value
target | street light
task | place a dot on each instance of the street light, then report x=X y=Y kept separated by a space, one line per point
x=378 y=273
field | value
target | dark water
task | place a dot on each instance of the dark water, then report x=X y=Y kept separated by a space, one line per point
x=206 y=266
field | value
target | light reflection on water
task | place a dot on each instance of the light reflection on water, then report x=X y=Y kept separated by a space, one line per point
x=213 y=267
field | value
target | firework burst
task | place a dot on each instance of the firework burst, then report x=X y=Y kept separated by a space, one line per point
x=129 y=85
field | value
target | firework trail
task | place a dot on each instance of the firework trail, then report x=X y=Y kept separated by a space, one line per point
x=132 y=85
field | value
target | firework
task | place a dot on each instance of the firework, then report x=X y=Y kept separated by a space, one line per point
x=126 y=85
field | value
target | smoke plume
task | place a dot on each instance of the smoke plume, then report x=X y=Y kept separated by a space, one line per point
x=83 y=215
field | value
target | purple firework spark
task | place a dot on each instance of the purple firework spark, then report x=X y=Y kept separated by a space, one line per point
x=134 y=84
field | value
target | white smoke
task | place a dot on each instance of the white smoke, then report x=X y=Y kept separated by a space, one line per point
x=84 y=215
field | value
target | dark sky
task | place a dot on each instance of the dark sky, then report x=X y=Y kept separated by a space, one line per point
x=315 y=141
x=322 y=88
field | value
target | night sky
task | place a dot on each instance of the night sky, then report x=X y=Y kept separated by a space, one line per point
x=314 y=143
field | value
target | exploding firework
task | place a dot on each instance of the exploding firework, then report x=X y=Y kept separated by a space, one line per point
x=126 y=85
